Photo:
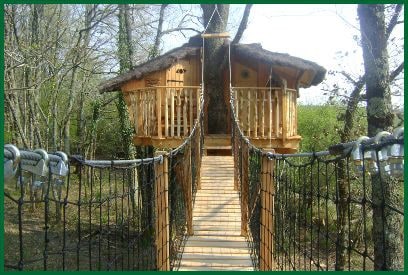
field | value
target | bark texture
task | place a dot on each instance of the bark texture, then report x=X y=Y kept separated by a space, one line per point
x=214 y=54
x=387 y=225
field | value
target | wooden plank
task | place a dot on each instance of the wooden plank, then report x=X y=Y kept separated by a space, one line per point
x=215 y=35
x=158 y=112
x=166 y=113
x=198 y=107
x=178 y=112
x=256 y=113
x=263 y=113
x=284 y=111
x=249 y=114
x=185 y=119
x=190 y=100
x=270 y=114
x=172 y=112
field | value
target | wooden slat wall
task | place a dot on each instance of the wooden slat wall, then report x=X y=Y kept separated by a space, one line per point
x=164 y=111
x=260 y=112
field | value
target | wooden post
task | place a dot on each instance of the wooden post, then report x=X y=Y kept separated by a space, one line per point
x=185 y=102
x=267 y=215
x=244 y=189
x=256 y=114
x=162 y=225
x=284 y=112
x=158 y=112
x=166 y=113
x=270 y=114
x=172 y=112
x=198 y=159
x=198 y=103
x=178 y=92
x=249 y=114
x=189 y=191
x=190 y=100
x=263 y=113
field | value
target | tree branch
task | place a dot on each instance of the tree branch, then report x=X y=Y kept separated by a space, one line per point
x=397 y=71
x=155 y=51
x=394 y=20
x=243 y=24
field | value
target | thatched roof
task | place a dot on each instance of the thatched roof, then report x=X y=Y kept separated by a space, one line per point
x=256 y=52
x=250 y=51
x=157 y=64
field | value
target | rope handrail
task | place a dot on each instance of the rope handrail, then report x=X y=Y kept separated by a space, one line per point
x=327 y=210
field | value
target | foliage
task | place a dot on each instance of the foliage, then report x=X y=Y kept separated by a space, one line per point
x=319 y=125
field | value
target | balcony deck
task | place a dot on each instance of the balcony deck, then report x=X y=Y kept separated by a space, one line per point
x=163 y=116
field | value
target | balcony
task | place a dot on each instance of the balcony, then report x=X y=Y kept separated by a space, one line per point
x=268 y=116
x=163 y=116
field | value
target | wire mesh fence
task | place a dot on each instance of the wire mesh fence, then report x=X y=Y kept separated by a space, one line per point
x=323 y=211
x=329 y=217
x=100 y=216
x=341 y=209
x=96 y=214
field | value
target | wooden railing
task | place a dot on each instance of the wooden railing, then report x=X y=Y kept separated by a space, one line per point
x=164 y=111
x=266 y=112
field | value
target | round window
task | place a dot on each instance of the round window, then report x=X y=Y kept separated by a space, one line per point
x=245 y=74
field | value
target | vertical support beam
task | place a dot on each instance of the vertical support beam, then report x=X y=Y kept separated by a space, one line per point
x=158 y=112
x=178 y=92
x=284 y=112
x=190 y=100
x=198 y=103
x=198 y=159
x=166 y=113
x=263 y=113
x=185 y=118
x=267 y=214
x=172 y=113
x=244 y=189
x=162 y=225
x=270 y=114
x=249 y=114
x=256 y=113
x=189 y=190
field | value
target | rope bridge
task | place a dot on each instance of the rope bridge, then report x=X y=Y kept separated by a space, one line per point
x=69 y=214
x=340 y=209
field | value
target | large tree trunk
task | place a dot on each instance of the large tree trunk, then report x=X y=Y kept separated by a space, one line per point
x=214 y=55
x=374 y=44
x=387 y=225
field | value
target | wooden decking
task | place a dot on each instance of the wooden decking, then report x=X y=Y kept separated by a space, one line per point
x=217 y=243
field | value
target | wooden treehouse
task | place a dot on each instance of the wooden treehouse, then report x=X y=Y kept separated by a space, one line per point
x=162 y=96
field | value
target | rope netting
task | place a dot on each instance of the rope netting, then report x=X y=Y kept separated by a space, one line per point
x=340 y=209
x=73 y=214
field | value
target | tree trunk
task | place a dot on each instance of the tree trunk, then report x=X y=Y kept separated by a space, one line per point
x=374 y=44
x=214 y=54
x=387 y=226
x=125 y=53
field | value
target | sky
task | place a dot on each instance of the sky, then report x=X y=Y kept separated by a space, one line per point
x=318 y=33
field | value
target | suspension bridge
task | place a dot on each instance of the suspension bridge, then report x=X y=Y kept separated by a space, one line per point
x=250 y=209
x=182 y=210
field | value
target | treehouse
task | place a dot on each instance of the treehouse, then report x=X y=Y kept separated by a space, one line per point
x=163 y=96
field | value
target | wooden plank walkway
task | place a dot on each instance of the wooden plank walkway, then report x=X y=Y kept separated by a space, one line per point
x=217 y=243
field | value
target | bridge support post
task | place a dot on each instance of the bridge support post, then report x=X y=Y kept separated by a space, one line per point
x=188 y=190
x=162 y=225
x=244 y=188
x=267 y=214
